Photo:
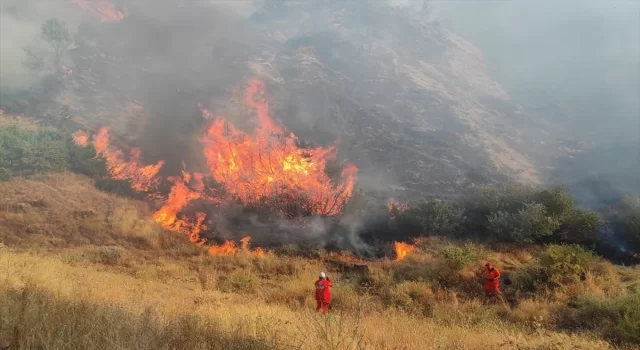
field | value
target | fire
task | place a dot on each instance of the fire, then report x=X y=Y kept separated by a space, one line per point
x=394 y=207
x=81 y=138
x=178 y=199
x=230 y=248
x=103 y=8
x=266 y=166
x=402 y=249
x=143 y=178
x=269 y=165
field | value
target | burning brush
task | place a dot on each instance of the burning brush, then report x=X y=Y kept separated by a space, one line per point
x=266 y=167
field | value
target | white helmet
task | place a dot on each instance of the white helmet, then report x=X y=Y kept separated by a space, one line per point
x=322 y=275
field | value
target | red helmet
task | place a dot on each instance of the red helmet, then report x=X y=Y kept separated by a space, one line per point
x=488 y=264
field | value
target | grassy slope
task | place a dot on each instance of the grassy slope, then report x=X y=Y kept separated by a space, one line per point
x=85 y=269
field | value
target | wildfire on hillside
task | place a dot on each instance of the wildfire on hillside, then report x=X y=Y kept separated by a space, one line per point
x=103 y=8
x=230 y=248
x=143 y=178
x=266 y=167
x=402 y=249
x=80 y=138
x=269 y=165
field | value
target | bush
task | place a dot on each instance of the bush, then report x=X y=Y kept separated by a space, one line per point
x=110 y=255
x=241 y=280
x=581 y=226
x=617 y=319
x=564 y=264
x=83 y=161
x=430 y=217
x=558 y=203
x=624 y=220
x=27 y=152
x=459 y=256
x=529 y=224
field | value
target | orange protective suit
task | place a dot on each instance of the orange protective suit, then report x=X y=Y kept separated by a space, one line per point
x=492 y=280
x=323 y=295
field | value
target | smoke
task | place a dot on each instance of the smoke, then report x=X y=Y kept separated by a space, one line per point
x=399 y=84
x=20 y=23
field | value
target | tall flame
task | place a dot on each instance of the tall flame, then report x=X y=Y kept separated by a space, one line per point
x=402 y=249
x=270 y=166
x=143 y=178
x=103 y=8
x=266 y=166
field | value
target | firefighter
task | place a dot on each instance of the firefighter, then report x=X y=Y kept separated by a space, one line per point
x=492 y=280
x=323 y=293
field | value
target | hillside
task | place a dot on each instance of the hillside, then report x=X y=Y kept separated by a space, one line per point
x=83 y=268
x=113 y=279
x=176 y=174
x=415 y=97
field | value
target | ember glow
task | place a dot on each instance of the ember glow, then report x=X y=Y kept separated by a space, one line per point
x=143 y=178
x=103 y=8
x=269 y=165
x=402 y=249
x=81 y=138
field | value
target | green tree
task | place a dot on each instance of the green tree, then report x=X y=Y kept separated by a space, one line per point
x=55 y=32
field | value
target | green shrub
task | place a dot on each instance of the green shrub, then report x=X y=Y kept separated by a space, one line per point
x=563 y=264
x=558 y=203
x=28 y=152
x=581 y=226
x=531 y=223
x=617 y=319
x=458 y=256
x=83 y=161
x=430 y=217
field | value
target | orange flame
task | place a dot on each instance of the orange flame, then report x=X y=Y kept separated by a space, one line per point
x=143 y=178
x=402 y=249
x=81 y=138
x=103 y=8
x=230 y=248
x=269 y=165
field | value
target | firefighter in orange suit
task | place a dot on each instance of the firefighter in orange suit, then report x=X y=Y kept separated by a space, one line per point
x=323 y=293
x=492 y=280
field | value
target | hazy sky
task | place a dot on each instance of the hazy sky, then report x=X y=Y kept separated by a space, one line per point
x=582 y=53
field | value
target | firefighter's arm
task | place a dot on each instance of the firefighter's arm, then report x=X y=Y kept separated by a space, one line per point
x=497 y=274
x=328 y=283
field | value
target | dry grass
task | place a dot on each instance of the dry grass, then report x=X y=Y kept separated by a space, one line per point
x=48 y=303
x=61 y=210
x=85 y=269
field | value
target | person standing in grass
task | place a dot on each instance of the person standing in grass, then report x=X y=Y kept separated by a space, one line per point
x=323 y=293
x=492 y=280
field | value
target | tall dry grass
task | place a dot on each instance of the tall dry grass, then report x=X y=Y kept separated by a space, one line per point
x=85 y=269
x=46 y=303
